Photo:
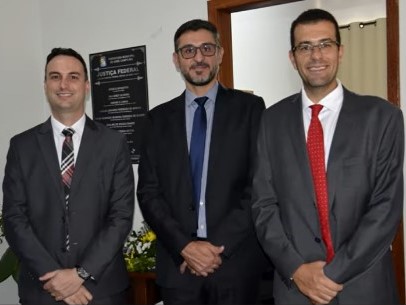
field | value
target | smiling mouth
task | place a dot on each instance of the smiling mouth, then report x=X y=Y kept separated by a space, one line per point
x=317 y=69
x=63 y=94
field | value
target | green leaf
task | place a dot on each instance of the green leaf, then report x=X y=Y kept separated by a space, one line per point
x=9 y=265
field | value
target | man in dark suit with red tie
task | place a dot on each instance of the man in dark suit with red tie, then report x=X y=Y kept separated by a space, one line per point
x=195 y=177
x=328 y=183
x=69 y=197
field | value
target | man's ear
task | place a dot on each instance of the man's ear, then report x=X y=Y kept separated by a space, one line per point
x=175 y=60
x=292 y=59
x=340 y=52
x=221 y=53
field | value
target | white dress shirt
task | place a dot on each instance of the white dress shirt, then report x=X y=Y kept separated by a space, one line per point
x=328 y=116
x=58 y=127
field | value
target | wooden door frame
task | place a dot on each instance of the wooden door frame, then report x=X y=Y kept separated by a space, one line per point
x=219 y=12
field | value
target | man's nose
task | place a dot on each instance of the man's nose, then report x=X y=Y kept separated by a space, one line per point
x=199 y=55
x=316 y=52
x=64 y=82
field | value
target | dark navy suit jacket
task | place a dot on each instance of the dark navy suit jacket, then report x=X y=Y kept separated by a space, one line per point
x=165 y=191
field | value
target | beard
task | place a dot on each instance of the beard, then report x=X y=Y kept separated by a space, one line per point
x=200 y=80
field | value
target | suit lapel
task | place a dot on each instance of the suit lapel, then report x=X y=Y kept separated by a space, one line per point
x=296 y=135
x=86 y=152
x=175 y=134
x=222 y=107
x=340 y=139
x=178 y=123
x=298 y=138
x=48 y=150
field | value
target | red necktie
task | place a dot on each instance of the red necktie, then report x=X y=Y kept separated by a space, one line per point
x=315 y=149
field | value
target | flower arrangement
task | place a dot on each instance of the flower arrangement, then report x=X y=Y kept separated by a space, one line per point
x=139 y=250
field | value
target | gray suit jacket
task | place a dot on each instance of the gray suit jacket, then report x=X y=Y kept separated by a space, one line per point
x=100 y=214
x=365 y=186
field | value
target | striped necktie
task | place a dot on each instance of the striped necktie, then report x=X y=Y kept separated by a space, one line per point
x=67 y=169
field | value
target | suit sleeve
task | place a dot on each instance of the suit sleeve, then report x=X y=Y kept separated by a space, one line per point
x=18 y=230
x=118 y=223
x=155 y=209
x=237 y=225
x=377 y=228
x=266 y=211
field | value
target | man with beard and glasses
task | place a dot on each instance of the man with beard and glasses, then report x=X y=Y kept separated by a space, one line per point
x=328 y=190
x=195 y=177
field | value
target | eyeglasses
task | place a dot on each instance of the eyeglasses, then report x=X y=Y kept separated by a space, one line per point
x=189 y=51
x=307 y=48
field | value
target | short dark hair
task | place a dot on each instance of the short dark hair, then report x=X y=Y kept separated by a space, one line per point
x=195 y=25
x=67 y=52
x=313 y=16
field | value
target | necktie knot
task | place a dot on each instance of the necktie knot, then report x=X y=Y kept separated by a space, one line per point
x=316 y=108
x=200 y=101
x=68 y=132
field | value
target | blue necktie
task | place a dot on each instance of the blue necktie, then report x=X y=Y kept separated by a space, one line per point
x=197 y=146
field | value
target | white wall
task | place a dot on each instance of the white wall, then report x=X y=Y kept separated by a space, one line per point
x=21 y=101
x=261 y=42
x=30 y=29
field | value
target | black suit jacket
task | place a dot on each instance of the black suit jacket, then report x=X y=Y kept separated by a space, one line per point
x=365 y=188
x=165 y=192
x=100 y=208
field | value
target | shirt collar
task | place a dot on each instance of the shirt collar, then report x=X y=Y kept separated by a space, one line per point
x=331 y=101
x=78 y=127
x=211 y=94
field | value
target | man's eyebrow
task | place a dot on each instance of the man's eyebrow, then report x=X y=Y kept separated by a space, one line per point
x=69 y=73
x=317 y=41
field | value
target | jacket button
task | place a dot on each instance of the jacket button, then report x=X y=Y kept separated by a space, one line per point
x=317 y=240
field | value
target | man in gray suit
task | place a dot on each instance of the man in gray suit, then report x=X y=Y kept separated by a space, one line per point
x=68 y=227
x=341 y=256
